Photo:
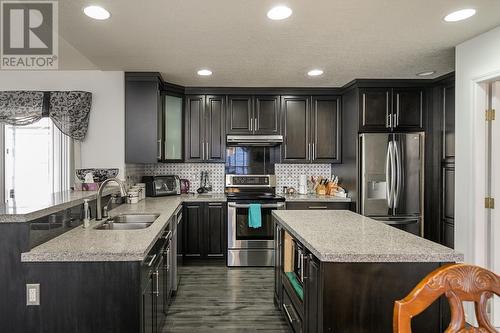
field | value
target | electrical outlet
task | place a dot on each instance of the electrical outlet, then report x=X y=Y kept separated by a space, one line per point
x=33 y=294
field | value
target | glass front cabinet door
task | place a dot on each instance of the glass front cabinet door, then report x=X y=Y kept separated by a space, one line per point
x=173 y=128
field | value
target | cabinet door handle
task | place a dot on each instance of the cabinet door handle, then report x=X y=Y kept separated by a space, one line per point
x=251 y=125
x=317 y=207
x=314 y=152
x=256 y=127
x=396 y=116
x=309 y=151
x=158 y=149
x=157 y=286
x=216 y=204
x=203 y=150
x=208 y=154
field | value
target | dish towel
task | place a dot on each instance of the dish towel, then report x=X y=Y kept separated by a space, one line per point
x=254 y=216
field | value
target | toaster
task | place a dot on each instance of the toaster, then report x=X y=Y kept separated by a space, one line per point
x=158 y=186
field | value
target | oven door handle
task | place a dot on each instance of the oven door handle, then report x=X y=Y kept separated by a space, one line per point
x=278 y=205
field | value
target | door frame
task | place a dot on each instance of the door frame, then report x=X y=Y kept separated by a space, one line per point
x=479 y=225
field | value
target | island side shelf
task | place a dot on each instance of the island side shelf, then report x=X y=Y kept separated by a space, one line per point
x=346 y=296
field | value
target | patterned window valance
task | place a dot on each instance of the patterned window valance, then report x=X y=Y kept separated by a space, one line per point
x=69 y=110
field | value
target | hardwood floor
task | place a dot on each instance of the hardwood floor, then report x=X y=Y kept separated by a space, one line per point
x=214 y=298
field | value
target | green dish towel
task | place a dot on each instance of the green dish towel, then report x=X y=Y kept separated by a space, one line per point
x=295 y=284
x=254 y=216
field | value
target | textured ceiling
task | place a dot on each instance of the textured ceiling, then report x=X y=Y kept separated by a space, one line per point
x=347 y=39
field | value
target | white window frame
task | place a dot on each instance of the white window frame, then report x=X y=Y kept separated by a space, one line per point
x=2 y=164
x=62 y=172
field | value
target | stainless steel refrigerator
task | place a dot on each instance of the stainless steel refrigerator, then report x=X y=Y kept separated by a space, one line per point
x=392 y=179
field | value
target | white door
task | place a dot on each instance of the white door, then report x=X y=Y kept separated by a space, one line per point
x=494 y=226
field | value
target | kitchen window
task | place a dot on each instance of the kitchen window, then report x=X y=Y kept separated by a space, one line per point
x=36 y=160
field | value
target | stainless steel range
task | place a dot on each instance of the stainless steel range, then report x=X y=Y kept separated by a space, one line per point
x=250 y=179
x=249 y=246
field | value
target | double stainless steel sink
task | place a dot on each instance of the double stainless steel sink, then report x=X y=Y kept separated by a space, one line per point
x=128 y=222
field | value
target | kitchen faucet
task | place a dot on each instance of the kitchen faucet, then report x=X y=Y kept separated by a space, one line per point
x=123 y=193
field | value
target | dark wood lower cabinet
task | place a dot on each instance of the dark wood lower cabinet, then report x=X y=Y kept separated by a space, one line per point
x=205 y=230
x=349 y=297
x=312 y=293
x=129 y=296
x=193 y=233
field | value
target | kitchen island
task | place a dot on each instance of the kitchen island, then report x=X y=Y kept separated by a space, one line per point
x=337 y=271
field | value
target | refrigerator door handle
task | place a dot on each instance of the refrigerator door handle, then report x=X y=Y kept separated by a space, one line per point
x=387 y=177
x=397 y=153
x=393 y=173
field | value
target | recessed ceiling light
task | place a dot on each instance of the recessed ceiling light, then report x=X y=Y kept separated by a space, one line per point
x=460 y=15
x=279 y=13
x=204 y=72
x=427 y=73
x=315 y=72
x=96 y=12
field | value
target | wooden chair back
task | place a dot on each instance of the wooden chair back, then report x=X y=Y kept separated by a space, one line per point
x=459 y=283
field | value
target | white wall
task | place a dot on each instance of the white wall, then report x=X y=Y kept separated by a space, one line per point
x=104 y=145
x=476 y=59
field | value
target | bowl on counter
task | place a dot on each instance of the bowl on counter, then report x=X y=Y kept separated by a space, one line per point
x=99 y=174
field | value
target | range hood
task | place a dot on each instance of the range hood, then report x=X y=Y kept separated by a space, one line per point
x=254 y=140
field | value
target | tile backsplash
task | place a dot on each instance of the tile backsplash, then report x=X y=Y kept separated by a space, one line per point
x=190 y=171
x=288 y=174
x=133 y=173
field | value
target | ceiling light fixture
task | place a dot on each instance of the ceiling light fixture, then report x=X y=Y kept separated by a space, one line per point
x=460 y=15
x=426 y=73
x=96 y=12
x=204 y=72
x=315 y=72
x=279 y=13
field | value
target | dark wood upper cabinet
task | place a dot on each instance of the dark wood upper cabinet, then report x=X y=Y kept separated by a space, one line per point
x=374 y=104
x=408 y=108
x=325 y=129
x=449 y=124
x=195 y=128
x=388 y=109
x=266 y=115
x=296 y=116
x=253 y=115
x=204 y=128
x=143 y=118
x=239 y=115
x=215 y=139
x=311 y=129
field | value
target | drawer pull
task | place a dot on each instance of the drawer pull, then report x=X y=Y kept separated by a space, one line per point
x=288 y=313
x=151 y=261
x=318 y=207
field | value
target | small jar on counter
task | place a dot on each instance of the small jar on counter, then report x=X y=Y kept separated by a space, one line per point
x=133 y=196
x=142 y=187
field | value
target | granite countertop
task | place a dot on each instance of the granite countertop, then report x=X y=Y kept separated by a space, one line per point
x=344 y=236
x=208 y=197
x=315 y=197
x=80 y=244
x=31 y=208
